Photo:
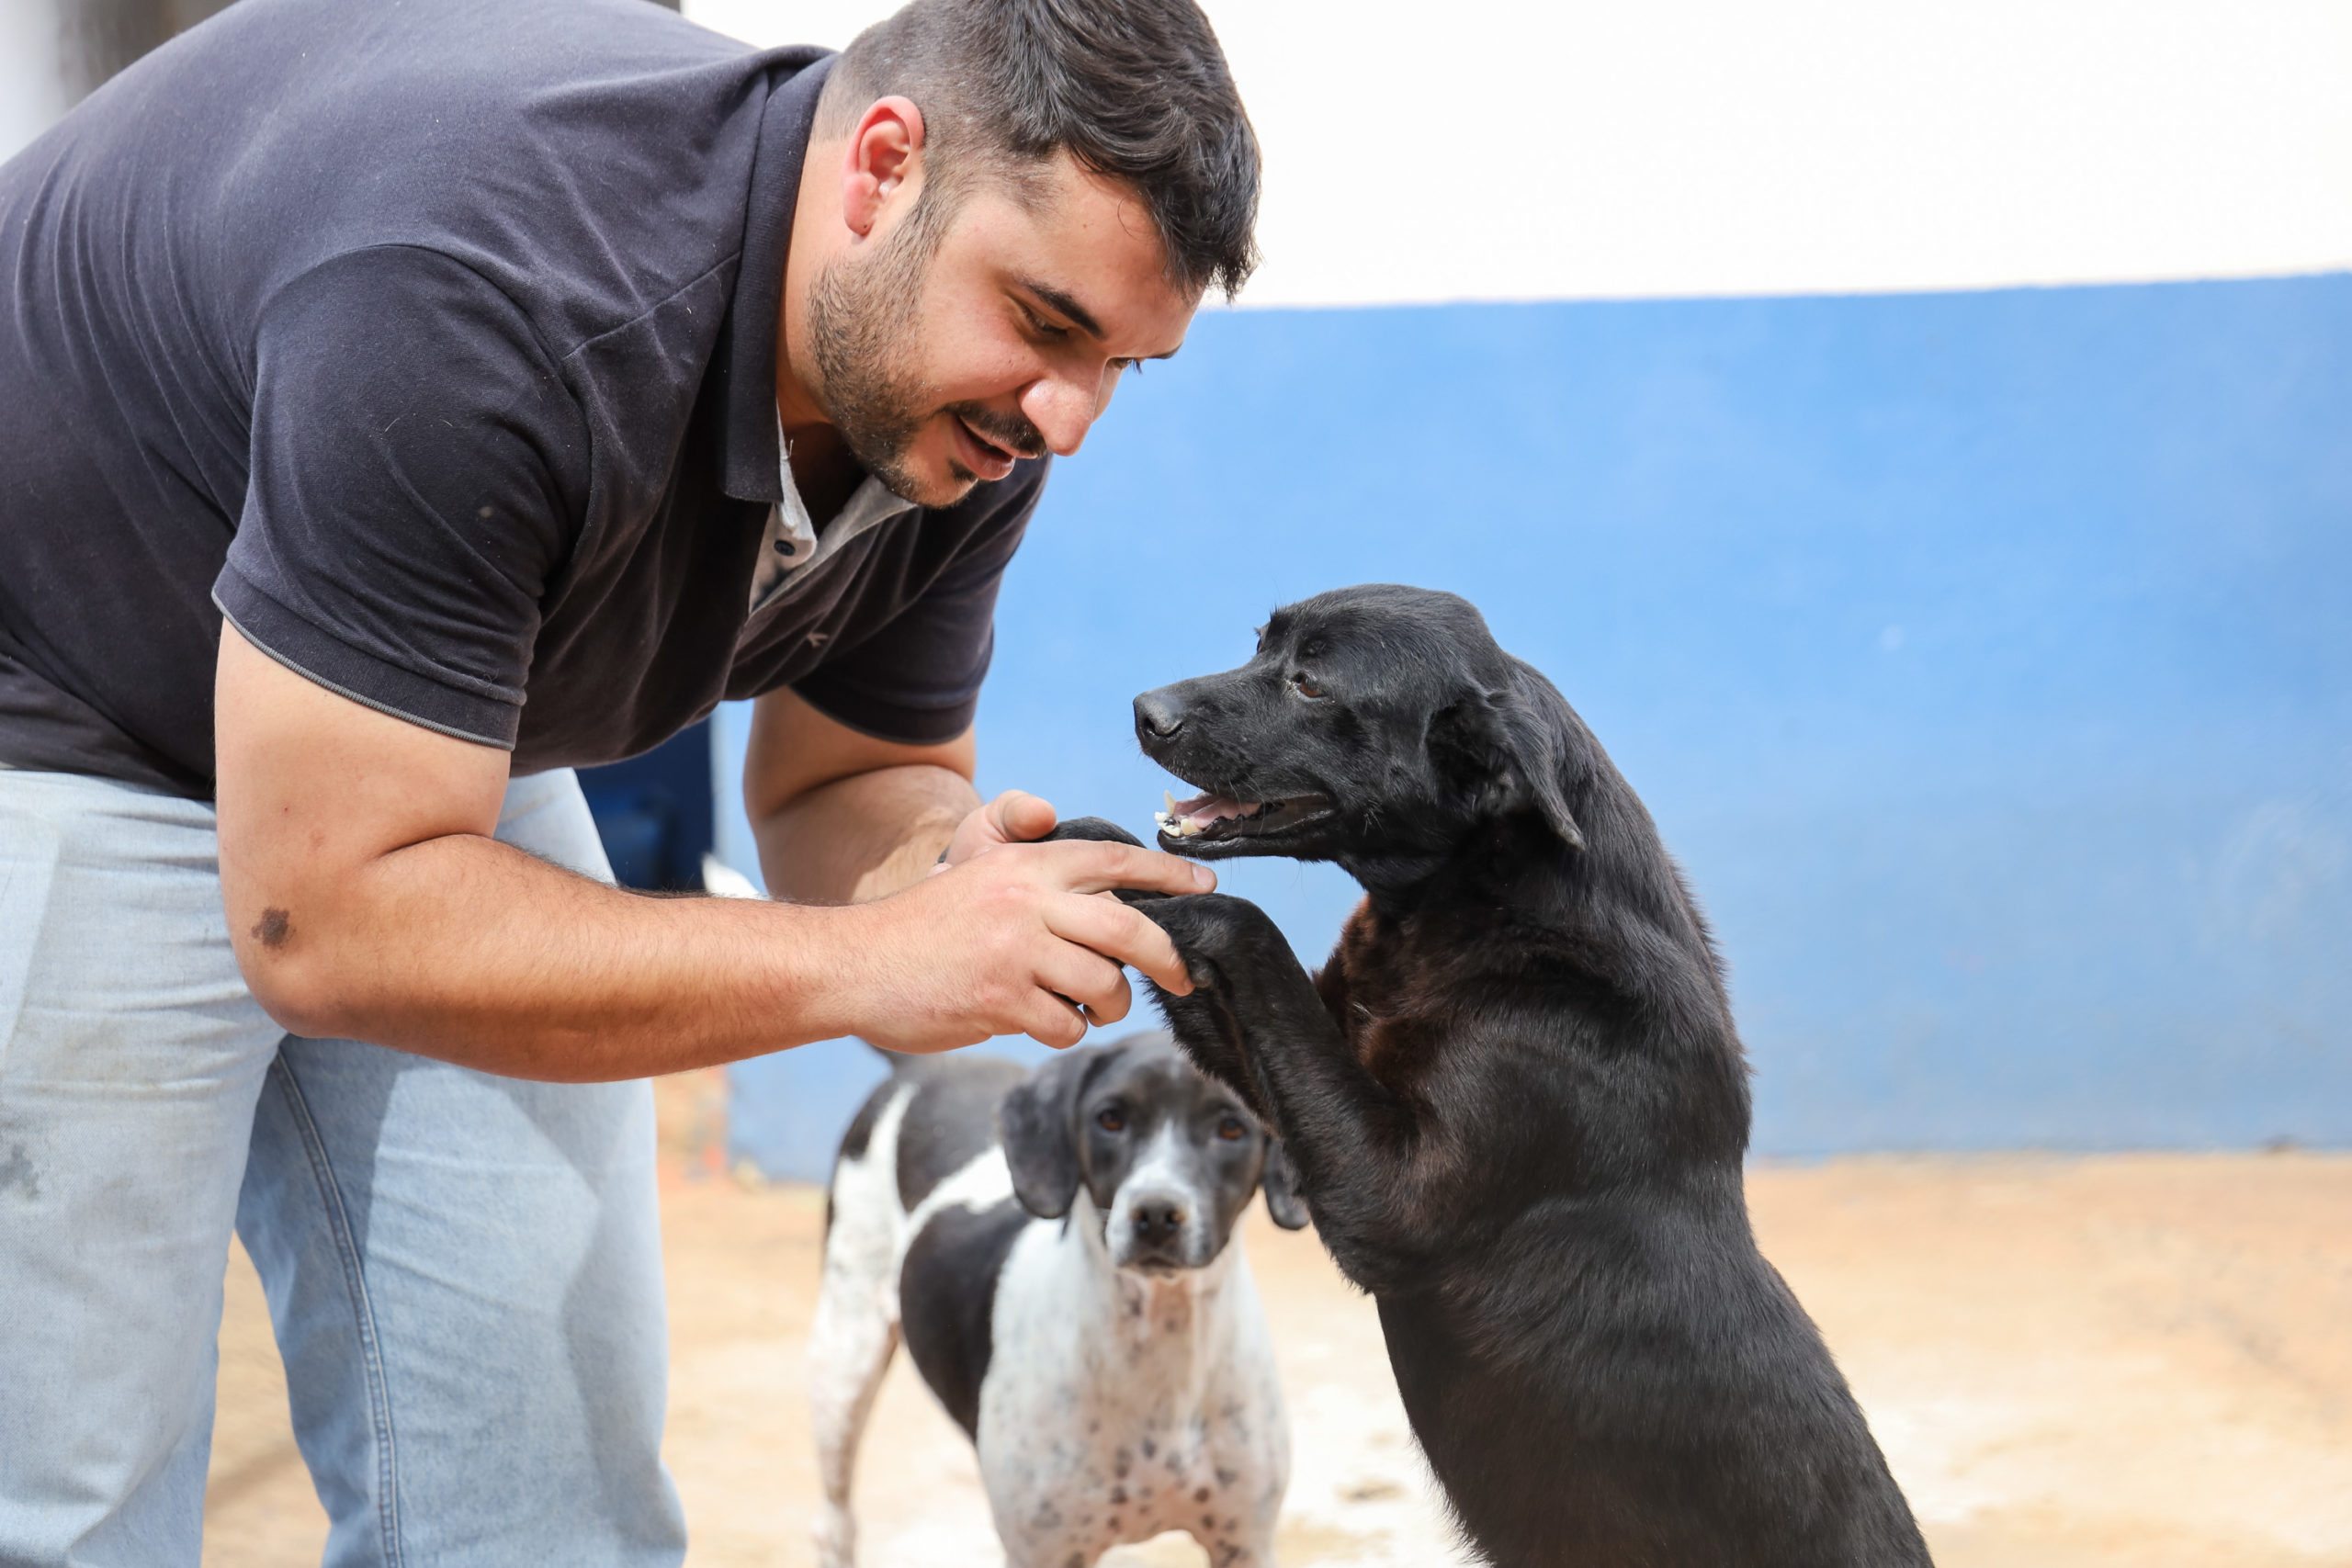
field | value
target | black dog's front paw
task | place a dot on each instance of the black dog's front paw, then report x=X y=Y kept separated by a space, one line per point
x=1213 y=933
x=1097 y=831
x=1205 y=927
x=1218 y=937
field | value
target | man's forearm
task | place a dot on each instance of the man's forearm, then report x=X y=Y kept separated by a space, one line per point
x=366 y=899
x=467 y=949
x=863 y=837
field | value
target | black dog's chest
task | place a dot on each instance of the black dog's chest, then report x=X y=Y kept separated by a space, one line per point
x=1388 y=994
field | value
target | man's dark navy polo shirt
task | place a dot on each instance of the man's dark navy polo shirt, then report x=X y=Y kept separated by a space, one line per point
x=433 y=342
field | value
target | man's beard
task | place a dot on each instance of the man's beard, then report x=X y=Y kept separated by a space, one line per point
x=861 y=334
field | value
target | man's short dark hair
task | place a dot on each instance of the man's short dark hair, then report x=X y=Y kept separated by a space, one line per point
x=1134 y=90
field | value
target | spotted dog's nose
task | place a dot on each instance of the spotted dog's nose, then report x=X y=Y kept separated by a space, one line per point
x=1157 y=1221
x=1159 y=714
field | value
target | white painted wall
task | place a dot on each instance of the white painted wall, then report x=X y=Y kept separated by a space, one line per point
x=1515 y=149
x=1518 y=149
x=32 y=77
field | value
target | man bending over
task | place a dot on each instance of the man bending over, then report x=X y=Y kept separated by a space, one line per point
x=402 y=404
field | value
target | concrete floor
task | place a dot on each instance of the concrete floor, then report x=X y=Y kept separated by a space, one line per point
x=2131 y=1361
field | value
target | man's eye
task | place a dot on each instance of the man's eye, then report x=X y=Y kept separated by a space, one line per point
x=1111 y=1119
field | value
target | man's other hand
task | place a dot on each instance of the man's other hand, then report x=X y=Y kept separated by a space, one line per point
x=1016 y=816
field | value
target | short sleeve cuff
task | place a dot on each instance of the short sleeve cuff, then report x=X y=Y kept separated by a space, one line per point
x=365 y=679
x=897 y=721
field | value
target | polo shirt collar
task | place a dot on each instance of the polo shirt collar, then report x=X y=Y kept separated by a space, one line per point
x=794 y=550
x=752 y=453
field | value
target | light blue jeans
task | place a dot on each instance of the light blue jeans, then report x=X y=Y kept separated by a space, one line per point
x=464 y=1271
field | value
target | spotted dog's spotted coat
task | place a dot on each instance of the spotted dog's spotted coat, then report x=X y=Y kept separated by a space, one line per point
x=1110 y=1360
x=1123 y=1406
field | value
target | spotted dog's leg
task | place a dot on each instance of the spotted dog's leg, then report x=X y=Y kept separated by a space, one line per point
x=1249 y=1543
x=849 y=1348
x=855 y=1331
x=1236 y=1528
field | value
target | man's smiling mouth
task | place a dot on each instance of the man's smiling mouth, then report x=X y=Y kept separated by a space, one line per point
x=1216 y=818
x=995 y=460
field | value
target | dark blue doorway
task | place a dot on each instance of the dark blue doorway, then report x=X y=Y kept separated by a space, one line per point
x=654 y=812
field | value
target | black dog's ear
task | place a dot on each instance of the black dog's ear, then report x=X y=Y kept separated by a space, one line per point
x=1504 y=751
x=1280 y=1183
x=1038 y=1121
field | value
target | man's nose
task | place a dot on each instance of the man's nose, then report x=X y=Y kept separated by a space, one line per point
x=1159 y=714
x=1062 y=411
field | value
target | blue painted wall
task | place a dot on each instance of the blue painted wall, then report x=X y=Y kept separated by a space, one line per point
x=657 y=812
x=1986 y=658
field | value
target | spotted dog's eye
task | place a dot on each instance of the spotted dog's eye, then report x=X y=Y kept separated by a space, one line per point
x=1111 y=1119
x=1231 y=1128
x=1304 y=684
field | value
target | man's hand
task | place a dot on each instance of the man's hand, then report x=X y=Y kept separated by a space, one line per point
x=1006 y=934
x=1013 y=940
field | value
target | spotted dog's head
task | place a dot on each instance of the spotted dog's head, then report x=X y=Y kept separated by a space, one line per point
x=1374 y=724
x=1168 y=1158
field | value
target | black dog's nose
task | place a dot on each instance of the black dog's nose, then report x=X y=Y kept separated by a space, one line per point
x=1159 y=714
x=1158 y=1219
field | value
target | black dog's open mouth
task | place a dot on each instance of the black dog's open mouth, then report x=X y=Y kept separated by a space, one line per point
x=1216 y=818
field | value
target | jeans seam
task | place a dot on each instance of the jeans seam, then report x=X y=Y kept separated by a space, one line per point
x=379 y=1403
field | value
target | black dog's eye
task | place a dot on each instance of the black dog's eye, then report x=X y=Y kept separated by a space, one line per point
x=1304 y=684
x=1111 y=1119
x=1231 y=1128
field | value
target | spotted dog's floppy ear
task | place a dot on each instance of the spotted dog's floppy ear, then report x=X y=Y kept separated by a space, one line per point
x=1038 y=1121
x=1505 y=750
x=1281 y=1184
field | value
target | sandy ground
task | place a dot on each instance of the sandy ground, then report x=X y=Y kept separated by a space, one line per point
x=2136 y=1362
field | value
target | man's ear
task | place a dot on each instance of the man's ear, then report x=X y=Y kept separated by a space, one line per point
x=1281 y=1184
x=1038 y=1121
x=1505 y=750
x=884 y=149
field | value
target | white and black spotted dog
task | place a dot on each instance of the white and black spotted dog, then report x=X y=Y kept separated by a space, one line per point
x=1054 y=1248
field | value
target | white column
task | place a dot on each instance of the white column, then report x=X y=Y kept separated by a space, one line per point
x=33 y=88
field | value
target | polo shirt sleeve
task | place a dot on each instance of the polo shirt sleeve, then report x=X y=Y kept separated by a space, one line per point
x=916 y=678
x=415 y=453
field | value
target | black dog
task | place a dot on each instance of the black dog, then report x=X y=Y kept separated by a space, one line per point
x=1514 y=1098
